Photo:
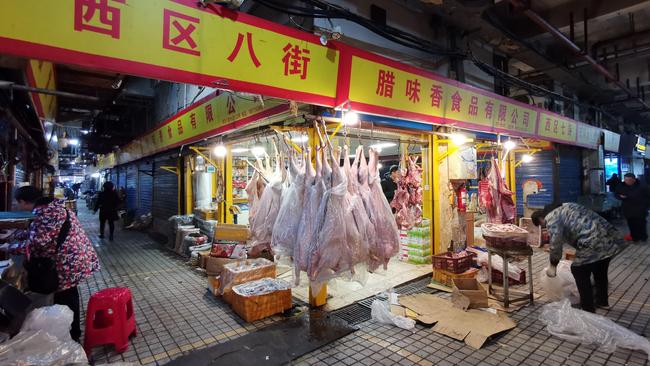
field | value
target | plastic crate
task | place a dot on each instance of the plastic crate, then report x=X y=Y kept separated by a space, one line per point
x=505 y=243
x=456 y=265
x=497 y=278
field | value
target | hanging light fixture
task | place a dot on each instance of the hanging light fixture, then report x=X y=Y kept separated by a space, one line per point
x=526 y=158
x=509 y=145
x=258 y=149
x=458 y=139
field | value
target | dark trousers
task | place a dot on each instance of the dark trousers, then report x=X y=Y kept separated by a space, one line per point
x=582 y=274
x=70 y=298
x=637 y=227
x=111 y=225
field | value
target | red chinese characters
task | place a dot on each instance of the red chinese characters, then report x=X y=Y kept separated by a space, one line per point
x=209 y=117
x=547 y=125
x=525 y=119
x=473 y=106
x=385 y=83
x=413 y=90
x=489 y=106
x=169 y=131
x=249 y=44
x=513 y=118
x=193 y=120
x=230 y=104
x=295 y=60
x=179 y=126
x=160 y=135
x=88 y=14
x=501 y=117
x=456 y=99
x=436 y=95
x=178 y=32
x=555 y=126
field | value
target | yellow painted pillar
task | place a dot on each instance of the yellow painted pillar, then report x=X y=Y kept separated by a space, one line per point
x=179 y=178
x=189 y=201
x=227 y=173
x=512 y=182
x=427 y=185
x=320 y=298
x=436 y=211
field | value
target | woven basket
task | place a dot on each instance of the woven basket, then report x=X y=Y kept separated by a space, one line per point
x=251 y=308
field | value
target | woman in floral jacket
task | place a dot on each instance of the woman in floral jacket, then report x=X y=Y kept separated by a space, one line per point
x=76 y=259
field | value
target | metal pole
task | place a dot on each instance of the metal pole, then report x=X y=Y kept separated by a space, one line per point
x=11 y=86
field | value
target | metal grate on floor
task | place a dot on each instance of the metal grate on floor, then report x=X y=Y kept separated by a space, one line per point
x=353 y=314
x=417 y=286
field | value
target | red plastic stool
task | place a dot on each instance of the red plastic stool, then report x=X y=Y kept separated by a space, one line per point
x=109 y=319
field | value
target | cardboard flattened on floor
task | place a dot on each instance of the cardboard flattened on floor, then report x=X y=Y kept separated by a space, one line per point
x=472 y=326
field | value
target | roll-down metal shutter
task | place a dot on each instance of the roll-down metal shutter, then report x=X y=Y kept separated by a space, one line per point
x=121 y=177
x=540 y=172
x=132 y=187
x=145 y=187
x=570 y=174
x=165 y=192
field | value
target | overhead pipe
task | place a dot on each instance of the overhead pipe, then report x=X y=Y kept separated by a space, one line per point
x=542 y=23
x=13 y=86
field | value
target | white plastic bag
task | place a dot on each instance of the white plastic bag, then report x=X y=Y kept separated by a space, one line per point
x=562 y=286
x=580 y=326
x=55 y=320
x=380 y=311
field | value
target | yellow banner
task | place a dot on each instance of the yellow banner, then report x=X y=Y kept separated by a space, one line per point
x=174 y=40
x=40 y=74
x=381 y=88
x=205 y=118
x=558 y=128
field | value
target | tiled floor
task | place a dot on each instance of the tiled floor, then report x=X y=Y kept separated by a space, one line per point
x=175 y=314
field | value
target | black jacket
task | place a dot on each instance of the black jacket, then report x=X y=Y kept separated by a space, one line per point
x=637 y=197
x=107 y=204
x=389 y=187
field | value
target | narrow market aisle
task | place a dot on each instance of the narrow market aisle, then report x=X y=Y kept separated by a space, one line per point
x=174 y=312
x=528 y=344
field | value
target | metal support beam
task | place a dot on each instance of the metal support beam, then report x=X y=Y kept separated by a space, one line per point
x=543 y=24
x=12 y=86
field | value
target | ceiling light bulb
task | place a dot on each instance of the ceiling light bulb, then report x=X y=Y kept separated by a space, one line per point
x=258 y=150
x=509 y=145
x=239 y=150
x=458 y=139
x=220 y=151
x=380 y=165
x=95 y=175
x=527 y=158
x=350 y=118
x=73 y=142
x=382 y=145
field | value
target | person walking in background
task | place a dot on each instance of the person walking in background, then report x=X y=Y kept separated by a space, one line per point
x=635 y=197
x=613 y=182
x=389 y=183
x=107 y=204
x=596 y=241
x=56 y=236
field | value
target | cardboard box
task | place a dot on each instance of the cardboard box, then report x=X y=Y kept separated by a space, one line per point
x=243 y=271
x=203 y=258
x=474 y=327
x=213 y=285
x=470 y=289
x=214 y=266
x=230 y=232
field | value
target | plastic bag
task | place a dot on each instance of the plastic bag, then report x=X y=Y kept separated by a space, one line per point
x=380 y=311
x=580 y=326
x=39 y=348
x=55 y=320
x=562 y=286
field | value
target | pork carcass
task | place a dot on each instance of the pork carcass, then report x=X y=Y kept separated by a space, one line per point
x=355 y=215
x=285 y=228
x=269 y=204
x=311 y=200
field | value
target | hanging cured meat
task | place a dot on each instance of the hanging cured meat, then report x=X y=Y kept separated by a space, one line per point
x=497 y=199
x=285 y=228
x=407 y=201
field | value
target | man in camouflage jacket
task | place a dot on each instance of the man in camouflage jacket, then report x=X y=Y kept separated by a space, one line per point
x=596 y=241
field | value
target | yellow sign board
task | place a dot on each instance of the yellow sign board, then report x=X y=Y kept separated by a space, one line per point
x=376 y=87
x=40 y=74
x=174 y=40
x=207 y=117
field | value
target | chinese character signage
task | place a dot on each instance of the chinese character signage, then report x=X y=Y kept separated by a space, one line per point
x=207 y=117
x=40 y=74
x=180 y=41
x=174 y=40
